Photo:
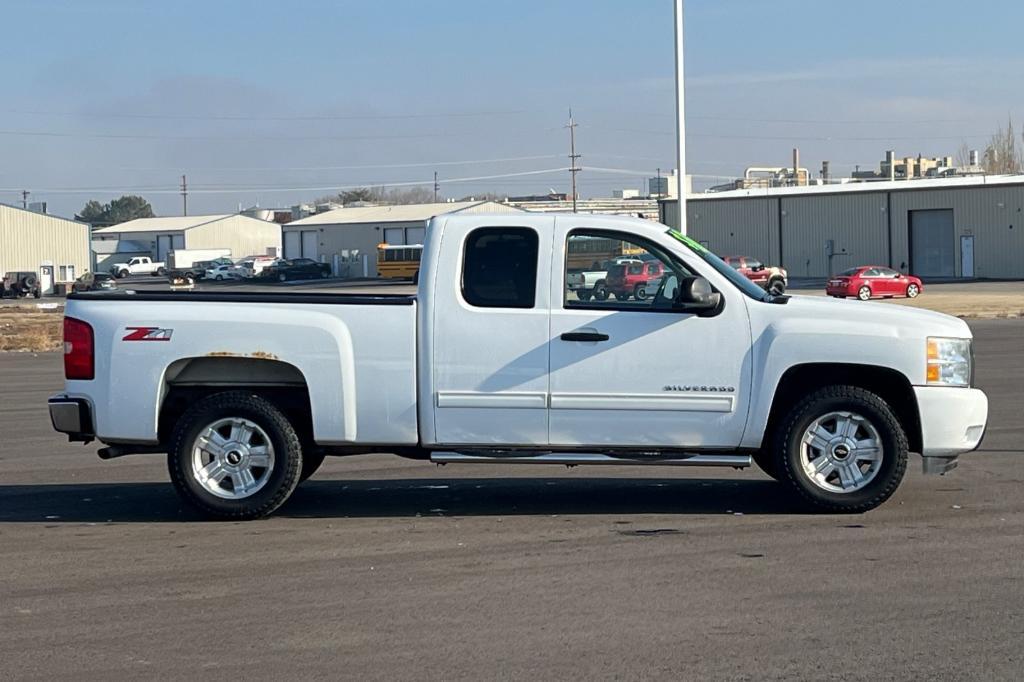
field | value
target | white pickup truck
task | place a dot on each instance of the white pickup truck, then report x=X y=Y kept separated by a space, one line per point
x=492 y=361
x=140 y=265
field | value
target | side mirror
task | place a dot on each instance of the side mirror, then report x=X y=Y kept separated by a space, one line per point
x=696 y=295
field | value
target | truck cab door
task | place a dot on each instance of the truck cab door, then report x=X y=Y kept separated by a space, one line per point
x=640 y=373
x=490 y=322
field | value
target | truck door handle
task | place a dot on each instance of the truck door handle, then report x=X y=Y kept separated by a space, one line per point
x=584 y=336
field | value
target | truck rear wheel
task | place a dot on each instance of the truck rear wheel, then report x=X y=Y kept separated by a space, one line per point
x=841 y=449
x=234 y=455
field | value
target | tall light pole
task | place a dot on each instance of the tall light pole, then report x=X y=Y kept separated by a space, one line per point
x=680 y=119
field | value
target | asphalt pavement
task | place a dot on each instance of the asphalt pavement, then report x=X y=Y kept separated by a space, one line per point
x=382 y=568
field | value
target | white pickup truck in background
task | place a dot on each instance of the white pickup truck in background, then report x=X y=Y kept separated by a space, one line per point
x=497 y=360
x=140 y=265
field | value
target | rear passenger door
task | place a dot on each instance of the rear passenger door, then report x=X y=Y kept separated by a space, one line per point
x=490 y=333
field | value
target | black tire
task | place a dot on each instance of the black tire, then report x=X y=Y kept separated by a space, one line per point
x=28 y=282
x=776 y=287
x=121 y=274
x=282 y=277
x=219 y=278
x=600 y=291
x=284 y=474
x=913 y=291
x=640 y=292
x=864 y=293
x=583 y=294
x=37 y=293
x=324 y=274
x=160 y=272
x=311 y=461
x=789 y=433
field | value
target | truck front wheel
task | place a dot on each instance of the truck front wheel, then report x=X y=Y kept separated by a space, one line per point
x=234 y=455
x=841 y=449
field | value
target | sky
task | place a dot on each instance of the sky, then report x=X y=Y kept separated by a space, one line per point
x=274 y=103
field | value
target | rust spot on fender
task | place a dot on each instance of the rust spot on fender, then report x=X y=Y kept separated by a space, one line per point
x=262 y=355
x=223 y=354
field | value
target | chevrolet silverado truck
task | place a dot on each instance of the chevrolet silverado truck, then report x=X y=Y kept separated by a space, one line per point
x=492 y=361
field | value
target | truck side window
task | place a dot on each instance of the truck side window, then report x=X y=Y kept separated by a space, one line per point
x=629 y=275
x=499 y=269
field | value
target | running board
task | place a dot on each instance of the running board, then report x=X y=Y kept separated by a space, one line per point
x=573 y=459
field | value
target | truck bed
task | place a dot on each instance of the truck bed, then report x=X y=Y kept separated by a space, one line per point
x=342 y=350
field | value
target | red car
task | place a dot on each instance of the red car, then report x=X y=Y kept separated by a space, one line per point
x=873 y=281
x=632 y=278
x=772 y=279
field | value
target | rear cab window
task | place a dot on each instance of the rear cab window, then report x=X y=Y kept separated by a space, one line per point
x=499 y=267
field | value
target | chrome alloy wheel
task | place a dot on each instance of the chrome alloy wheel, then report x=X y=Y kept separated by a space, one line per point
x=841 y=452
x=232 y=458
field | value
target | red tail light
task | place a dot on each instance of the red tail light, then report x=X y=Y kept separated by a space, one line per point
x=78 y=350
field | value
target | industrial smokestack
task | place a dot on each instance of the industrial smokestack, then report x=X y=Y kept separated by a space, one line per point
x=825 y=171
x=796 y=166
x=890 y=159
x=974 y=157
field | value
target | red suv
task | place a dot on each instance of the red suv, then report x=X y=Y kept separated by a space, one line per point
x=873 y=281
x=632 y=278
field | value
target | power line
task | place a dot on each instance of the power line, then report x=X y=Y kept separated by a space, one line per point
x=325 y=188
x=219 y=117
x=236 y=138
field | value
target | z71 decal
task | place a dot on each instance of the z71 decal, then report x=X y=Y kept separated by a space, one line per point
x=147 y=334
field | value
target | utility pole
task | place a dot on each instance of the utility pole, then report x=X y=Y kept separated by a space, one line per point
x=573 y=157
x=24 y=198
x=184 y=196
x=436 y=187
x=680 y=118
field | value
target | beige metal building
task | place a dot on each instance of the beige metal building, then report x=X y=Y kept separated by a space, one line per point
x=57 y=249
x=348 y=237
x=934 y=228
x=242 y=235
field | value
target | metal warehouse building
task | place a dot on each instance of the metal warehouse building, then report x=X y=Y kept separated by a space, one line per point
x=56 y=249
x=948 y=227
x=348 y=237
x=244 y=236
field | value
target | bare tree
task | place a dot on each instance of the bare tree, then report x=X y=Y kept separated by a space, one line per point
x=1002 y=156
x=963 y=156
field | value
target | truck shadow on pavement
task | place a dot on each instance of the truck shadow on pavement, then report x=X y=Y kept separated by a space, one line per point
x=157 y=502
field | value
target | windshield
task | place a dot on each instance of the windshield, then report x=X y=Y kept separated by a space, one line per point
x=739 y=281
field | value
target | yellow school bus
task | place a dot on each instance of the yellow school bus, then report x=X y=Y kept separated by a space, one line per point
x=398 y=262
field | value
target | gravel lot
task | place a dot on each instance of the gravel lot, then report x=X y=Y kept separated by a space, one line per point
x=381 y=568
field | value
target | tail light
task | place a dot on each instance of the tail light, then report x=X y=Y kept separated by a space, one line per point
x=79 y=351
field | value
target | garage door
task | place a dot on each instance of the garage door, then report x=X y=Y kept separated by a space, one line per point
x=932 y=246
x=293 y=245
x=415 y=235
x=310 y=244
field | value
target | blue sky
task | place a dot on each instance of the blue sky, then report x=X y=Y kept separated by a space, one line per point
x=249 y=98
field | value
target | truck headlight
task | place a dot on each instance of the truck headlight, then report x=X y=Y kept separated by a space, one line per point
x=949 y=361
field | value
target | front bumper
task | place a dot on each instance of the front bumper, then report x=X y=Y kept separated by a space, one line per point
x=953 y=421
x=72 y=416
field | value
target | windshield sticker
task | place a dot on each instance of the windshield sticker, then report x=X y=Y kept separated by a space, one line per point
x=693 y=244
